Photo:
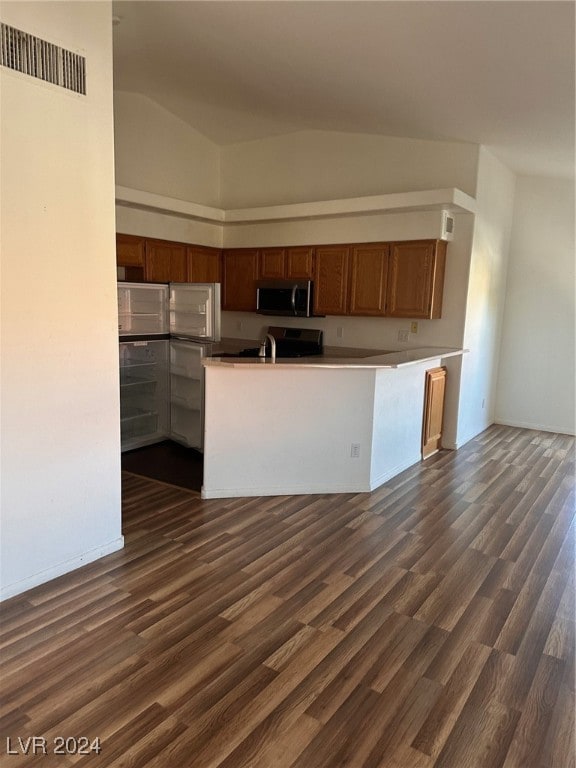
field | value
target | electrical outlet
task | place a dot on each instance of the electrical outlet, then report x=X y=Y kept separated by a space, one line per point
x=339 y=332
x=355 y=450
x=239 y=325
x=403 y=335
x=414 y=327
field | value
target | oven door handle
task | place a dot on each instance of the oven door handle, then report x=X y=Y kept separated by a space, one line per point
x=293 y=298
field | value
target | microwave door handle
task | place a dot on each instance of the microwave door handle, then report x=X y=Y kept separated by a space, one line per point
x=293 y=299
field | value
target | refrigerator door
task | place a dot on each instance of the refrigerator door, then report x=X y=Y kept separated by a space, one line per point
x=195 y=311
x=187 y=393
x=142 y=309
x=144 y=415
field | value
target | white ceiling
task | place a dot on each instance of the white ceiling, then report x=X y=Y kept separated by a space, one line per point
x=495 y=72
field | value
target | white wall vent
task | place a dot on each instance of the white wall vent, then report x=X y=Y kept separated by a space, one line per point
x=38 y=58
x=447 y=226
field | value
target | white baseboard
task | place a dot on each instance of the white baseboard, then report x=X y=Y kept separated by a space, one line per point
x=296 y=490
x=282 y=490
x=60 y=569
x=562 y=430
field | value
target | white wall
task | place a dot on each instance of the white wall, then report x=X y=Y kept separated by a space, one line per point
x=136 y=221
x=327 y=165
x=60 y=404
x=537 y=371
x=397 y=426
x=273 y=431
x=158 y=152
x=486 y=296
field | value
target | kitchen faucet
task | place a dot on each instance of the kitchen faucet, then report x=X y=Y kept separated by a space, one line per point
x=262 y=352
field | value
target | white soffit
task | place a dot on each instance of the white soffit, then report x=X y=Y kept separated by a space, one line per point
x=451 y=199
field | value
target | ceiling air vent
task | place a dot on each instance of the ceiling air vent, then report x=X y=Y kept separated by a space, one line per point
x=38 y=58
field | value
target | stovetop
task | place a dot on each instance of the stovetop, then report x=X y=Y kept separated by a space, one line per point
x=290 y=342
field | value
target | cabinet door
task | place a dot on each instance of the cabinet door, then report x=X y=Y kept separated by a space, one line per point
x=300 y=263
x=433 y=411
x=129 y=250
x=204 y=264
x=165 y=262
x=331 y=280
x=368 y=279
x=416 y=279
x=240 y=272
x=287 y=263
x=273 y=263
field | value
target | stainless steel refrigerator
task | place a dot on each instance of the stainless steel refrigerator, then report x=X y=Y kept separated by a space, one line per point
x=165 y=331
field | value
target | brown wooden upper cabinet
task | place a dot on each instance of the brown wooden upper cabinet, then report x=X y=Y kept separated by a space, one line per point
x=204 y=264
x=239 y=272
x=331 y=279
x=287 y=263
x=403 y=279
x=165 y=262
x=368 y=279
x=130 y=250
x=416 y=279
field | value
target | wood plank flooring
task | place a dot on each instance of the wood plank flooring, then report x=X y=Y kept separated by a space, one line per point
x=429 y=623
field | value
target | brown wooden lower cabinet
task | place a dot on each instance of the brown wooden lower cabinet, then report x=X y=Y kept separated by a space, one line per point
x=433 y=411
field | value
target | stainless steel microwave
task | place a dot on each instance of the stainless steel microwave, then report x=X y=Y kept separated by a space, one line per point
x=291 y=298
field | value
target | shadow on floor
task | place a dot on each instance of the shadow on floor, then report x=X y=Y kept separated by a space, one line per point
x=168 y=462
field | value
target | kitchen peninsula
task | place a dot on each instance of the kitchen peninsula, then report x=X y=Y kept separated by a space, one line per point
x=313 y=425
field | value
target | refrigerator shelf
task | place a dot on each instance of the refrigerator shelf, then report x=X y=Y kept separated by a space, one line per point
x=136 y=364
x=137 y=423
x=199 y=309
x=129 y=412
x=192 y=403
x=135 y=381
x=138 y=314
x=186 y=426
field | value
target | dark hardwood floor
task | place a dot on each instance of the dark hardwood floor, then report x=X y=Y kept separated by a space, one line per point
x=429 y=623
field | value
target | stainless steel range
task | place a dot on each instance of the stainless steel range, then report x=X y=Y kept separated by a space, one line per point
x=290 y=342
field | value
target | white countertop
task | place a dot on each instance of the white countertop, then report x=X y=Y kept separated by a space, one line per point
x=388 y=360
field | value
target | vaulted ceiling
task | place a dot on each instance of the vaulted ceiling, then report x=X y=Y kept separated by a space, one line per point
x=496 y=73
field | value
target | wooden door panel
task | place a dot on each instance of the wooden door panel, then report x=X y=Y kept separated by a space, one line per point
x=331 y=280
x=409 y=279
x=433 y=410
x=166 y=262
x=272 y=263
x=299 y=263
x=368 y=280
x=204 y=264
x=240 y=272
x=129 y=250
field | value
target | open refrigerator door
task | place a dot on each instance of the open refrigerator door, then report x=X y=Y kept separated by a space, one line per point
x=194 y=311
